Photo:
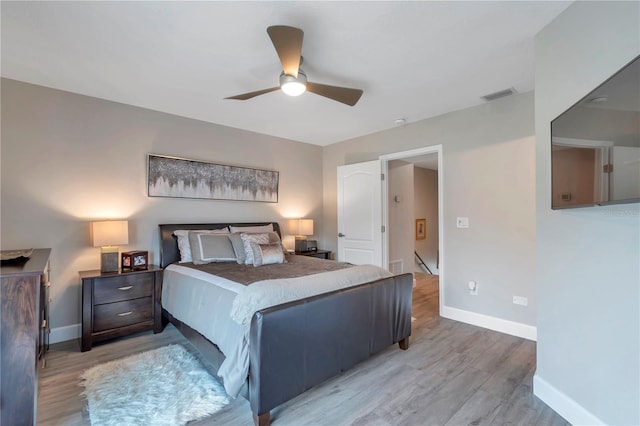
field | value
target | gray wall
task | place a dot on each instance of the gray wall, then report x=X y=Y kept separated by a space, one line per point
x=68 y=159
x=488 y=155
x=588 y=274
x=425 y=187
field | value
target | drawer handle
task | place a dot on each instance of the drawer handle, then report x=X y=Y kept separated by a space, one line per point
x=129 y=287
x=124 y=314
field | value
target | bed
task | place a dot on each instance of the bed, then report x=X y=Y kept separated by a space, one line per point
x=294 y=345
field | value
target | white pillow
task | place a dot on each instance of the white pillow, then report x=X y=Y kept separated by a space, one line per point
x=247 y=239
x=183 y=241
x=252 y=229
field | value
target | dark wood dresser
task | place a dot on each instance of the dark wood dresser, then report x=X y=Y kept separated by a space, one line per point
x=116 y=304
x=24 y=336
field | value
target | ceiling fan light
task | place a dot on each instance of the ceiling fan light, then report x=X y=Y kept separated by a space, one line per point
x=293 y=86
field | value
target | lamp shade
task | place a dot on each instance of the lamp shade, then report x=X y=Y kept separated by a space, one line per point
x=109 y=233
x=301 y=226
x=306 y=227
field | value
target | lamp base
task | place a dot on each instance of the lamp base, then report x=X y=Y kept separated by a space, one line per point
x=109 y=259
x=301 y=244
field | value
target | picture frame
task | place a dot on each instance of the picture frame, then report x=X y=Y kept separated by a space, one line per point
x=421 y=229
x=134 y=260
x=176 y=177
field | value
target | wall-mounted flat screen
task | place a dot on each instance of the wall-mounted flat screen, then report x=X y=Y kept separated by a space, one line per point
x=595 y=145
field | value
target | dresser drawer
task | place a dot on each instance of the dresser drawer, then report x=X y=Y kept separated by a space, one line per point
x=119 y=314
x=122 y=287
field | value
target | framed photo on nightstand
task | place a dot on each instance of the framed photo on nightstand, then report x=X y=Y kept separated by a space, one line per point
x=135 y=260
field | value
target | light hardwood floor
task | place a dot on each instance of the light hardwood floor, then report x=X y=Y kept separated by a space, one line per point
x=452 y=374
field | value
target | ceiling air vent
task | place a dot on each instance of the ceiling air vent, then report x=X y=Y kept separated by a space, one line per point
x=501 y=94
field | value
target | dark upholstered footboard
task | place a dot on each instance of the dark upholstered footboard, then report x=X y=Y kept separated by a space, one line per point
x=300 y=344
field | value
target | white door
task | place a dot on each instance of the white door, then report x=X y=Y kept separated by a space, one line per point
x=360 y=213
x=625 y=176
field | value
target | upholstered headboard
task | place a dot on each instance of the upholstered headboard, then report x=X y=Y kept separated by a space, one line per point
x=169 y=252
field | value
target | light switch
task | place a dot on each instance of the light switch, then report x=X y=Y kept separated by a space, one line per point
x=462 y=222
x=473 y=288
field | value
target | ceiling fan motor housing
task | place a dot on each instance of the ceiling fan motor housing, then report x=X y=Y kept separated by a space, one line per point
x=293 y=86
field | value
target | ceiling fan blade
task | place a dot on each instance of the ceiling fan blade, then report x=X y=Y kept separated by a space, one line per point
x=288 y=44
x=340 y=94
x=250 y=95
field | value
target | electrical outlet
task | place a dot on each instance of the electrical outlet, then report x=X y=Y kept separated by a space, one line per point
x=473 y=288
x=520 y=300
x=462 y=222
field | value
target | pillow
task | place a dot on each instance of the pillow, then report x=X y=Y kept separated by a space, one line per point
x=252 y=229
x=267 y=254
x=238 y=244
x=247 y=239
x=275 y=238
x=238 y=247
x=208 y=248
x=183 y=241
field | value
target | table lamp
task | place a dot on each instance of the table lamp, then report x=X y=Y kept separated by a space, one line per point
x=301 y=228
x=108 y=234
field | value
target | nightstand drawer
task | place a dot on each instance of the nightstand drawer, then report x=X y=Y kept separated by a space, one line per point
x=122 y=287
x=116 y=304
x=119 y=314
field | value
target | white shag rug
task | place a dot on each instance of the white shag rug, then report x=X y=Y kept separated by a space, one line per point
x=165 y=386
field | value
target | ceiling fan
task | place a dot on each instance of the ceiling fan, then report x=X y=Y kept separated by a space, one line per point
x=293 y=81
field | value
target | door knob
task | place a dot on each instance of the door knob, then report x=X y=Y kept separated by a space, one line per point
x=340 y=234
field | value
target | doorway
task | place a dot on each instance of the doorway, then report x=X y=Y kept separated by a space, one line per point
x=423 y=162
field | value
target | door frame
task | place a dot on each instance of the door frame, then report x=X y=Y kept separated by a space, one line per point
x=384 y=159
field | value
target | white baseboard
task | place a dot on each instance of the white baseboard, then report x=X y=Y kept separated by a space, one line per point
x=70 y=332
x=62 y=334
x=559 y=402
x=525 y=331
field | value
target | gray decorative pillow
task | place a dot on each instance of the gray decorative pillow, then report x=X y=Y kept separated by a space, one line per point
x=274 y=237
x=238 y=247
x=247 y=239
x=267 y=254
x=238 y=244
x=183 y=241
x=209 y=248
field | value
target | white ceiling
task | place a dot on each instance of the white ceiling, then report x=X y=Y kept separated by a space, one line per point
x=412 y=59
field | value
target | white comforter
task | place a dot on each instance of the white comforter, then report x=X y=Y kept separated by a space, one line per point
x=221 y=309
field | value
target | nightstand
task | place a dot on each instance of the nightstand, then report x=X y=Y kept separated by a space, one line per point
x=321 y=254
x=116 y=304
